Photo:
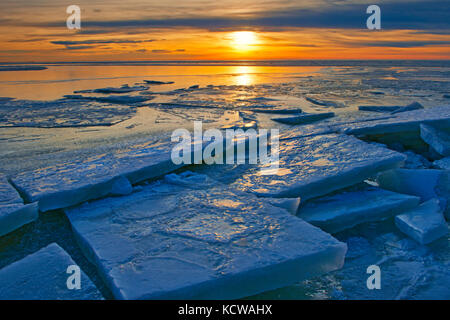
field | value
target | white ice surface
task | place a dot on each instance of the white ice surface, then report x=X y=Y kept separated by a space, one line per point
x=438 y=139
x=13 y=213
x=172 y=242
x=68 y=184
x=314 y=166
x=402 y=122
x=344 y=210
x=424 y=224
x=42 y=276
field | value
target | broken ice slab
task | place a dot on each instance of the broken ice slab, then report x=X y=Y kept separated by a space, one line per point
x=345 y=210
x=289 y=204
x=422 y=183
x=304 y=118
x=437 y=138
x=154 y=82
x=43 y=276
x=424 y=224
x=63 y=185
x=402 y=122
x=67 y=184
x=13 y=213
x=324 y=103
x=443 y=164
x=314 y=166
x=123 y=89
x=126 y=99
x=274 y=110
x=173 y=242
x=392 y=109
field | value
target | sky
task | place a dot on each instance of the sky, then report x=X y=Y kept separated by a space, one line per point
x=132 y=30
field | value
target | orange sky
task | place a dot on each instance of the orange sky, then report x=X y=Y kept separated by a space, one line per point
x=136 y=30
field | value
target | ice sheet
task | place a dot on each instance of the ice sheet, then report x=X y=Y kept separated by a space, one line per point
x=345 y=210
x=424 y=224
x=437 y=138
x=173 y=242
x=317 y=165
x=43 y=276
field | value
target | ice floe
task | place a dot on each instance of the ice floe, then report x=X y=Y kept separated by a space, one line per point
x=392 y=109
x=64 y=185
x=124 y=99
x=13 y=212
x=123 y=89
x=437 y=138
x=324 y=103
x=347 y=209
x=442 y=164
x=62 y=113
x=43 y=276
x=170 y=242
x=304 y=118
x=424 y=224
x=21 y=68
x=316 y=165
x=154 y=82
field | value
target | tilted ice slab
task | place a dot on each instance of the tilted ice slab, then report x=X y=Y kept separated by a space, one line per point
x=437 y=138
x=392 y=109
x=304 y=118
x=424 y=224
x=172 y=242
x=402 y=122
x=13 y=213
x=345 y=210
x=443 y=163
x=68 y=184
x=43 y=276
x=316 y=165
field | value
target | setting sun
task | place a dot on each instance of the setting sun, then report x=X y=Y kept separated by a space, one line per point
x=243 y=40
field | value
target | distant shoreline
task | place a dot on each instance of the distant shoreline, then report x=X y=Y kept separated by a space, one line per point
x=275 y=63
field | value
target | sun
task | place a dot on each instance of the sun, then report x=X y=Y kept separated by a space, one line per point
x=243 y=40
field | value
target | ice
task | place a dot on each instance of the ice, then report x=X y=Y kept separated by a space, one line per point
x=317 y=165
x=345 y=210
x=125 y=99
x=43 y=276
x=13 y=213
x=437 y=138
x=207 y=242
x=443 y=164
x=123 y=89
x=21 y=68
x=289 y=204
x=324 y=103
x=424 y=224
x=62 y=113
x=416 y=161
x=400 y=123
x=392 y=109
x=154 y=82
x=275 y=110
x=304 y=118
x=67 y=184
x=422 y=183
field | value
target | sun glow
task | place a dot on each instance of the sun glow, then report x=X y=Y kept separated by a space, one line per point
x=243 y=40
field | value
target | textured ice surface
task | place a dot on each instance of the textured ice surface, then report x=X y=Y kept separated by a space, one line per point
x=61 y=113
x=437 y=138
x=169 y=241
x=424 y=224
x=68 y=184
x=392 y=109
x=402 y=122
x=125 y=99
x=344 y=210
x=317 y=165
x=417 y=182
x=123 y=89
x=443 y=163
x=43 y=276
x=304 y=118
x=13 y=213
